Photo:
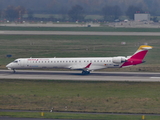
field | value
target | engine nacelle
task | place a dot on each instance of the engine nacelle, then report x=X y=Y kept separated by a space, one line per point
x=119 y=59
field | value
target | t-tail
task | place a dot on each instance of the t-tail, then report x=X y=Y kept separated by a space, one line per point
x=137 y=57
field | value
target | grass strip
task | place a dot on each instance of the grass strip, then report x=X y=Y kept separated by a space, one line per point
x=88 y=116
x=78 y=96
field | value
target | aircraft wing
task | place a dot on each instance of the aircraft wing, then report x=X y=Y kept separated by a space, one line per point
x=80 y=67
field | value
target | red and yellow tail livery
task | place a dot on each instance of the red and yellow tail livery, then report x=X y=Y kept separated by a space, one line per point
x=138 y=56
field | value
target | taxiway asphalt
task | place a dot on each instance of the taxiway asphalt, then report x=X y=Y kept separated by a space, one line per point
x=79 y=33
x=77 y=76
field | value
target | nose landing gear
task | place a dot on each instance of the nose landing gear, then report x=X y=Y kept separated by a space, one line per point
x=14 y=71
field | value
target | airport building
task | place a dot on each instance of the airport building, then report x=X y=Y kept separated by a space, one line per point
x=141 y=17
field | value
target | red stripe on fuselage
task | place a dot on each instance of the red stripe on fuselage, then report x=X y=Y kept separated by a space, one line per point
x=136 y=58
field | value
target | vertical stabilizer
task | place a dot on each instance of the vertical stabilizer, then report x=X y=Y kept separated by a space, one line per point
x=138 y=56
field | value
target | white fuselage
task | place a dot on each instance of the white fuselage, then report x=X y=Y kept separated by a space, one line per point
x=70 y=63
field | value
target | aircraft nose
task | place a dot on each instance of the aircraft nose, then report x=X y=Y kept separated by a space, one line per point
x=9 y=65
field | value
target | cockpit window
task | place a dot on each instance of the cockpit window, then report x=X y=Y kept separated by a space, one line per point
x=15 y=61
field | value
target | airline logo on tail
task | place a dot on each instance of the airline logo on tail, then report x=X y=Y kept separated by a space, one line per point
x=138 y=56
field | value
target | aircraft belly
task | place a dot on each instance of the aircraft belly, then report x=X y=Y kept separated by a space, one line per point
x=103 y=66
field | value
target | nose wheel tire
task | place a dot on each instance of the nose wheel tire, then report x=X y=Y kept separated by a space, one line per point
x=14 y=70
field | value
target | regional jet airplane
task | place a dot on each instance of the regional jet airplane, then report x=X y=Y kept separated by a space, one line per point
x=84 y=64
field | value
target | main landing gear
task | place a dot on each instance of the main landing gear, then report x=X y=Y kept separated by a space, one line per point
x=85 y=72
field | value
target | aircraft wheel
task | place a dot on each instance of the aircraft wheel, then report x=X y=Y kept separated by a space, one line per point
x=14 y=71
x=85 y=72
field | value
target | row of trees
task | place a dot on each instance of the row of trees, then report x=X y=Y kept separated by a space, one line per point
x=90 y=6
x=76 y=12
x=12 y=13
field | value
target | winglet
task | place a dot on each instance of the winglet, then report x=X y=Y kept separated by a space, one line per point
x=144 y=47
x=88 y=65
